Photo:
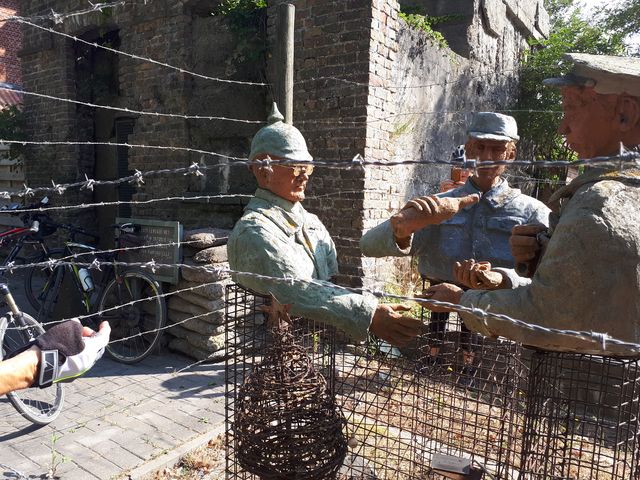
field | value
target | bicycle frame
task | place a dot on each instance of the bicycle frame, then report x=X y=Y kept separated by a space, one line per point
x=23 y=234
x=15 y=311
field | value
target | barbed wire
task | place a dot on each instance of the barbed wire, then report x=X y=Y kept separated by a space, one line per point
x=131 y=55
x=599 y=337
x=620 y=160
x=130 y=110
x=506 y=73
x=59 y=18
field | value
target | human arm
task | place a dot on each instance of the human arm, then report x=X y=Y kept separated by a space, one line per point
x=587 y=280
x=259 y=251
x=20 y=371
x=423 y=211
x=76 y=348
x=526 y=244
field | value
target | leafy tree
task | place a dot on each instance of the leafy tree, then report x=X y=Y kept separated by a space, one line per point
x=539 y=107
x=12 y=126
x=623 y=18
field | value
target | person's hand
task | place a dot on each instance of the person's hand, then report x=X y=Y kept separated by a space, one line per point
x=477 y=275
x=525 y=247
x=389 y=325
x=78 y=349
x=443 y=292
x=447 y=185
x=430 y=210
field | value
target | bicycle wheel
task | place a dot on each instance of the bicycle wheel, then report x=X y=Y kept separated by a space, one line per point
x=133 y=306
x=38 y=405
x=38 y=279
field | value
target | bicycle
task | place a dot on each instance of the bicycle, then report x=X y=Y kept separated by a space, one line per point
x=36 y=228
x=40 y=406
x=130 y=299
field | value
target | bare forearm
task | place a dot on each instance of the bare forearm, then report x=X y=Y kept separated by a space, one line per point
x=20 y=371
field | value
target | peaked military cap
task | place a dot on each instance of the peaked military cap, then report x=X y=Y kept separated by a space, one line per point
x=607 y=74
x=493 y=126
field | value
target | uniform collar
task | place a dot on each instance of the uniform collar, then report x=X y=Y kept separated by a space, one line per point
x=289 y=216
x=498 y=196
x=274 y=199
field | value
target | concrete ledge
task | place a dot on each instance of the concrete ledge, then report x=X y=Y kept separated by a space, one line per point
x=170 y=458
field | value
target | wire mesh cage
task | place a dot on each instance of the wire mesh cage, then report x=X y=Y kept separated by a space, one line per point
x=453 y=394
x=248 y=339
x=582 y=419
x=454 y=404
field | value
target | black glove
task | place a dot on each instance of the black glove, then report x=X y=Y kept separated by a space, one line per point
x=66 y=353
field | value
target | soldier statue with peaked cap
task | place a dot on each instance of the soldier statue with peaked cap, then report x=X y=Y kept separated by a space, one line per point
x=277 y=237
x=587 y=277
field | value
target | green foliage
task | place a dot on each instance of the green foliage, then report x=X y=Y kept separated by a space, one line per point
x=12 y=126
x=623 y=18
x=415 y=19
x=569 y=33
x=240 y=13
x=246 y=20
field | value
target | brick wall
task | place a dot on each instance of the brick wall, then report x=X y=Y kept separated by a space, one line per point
x=178 y=33
x=331 y=98
x=365 y=84
x=10 y=44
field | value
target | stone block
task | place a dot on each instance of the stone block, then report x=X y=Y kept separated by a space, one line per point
x=181 y=345
x=542 y=20
x=494 y=13
x=198 y=326
x=202 y=302
x=211 y=255
x=206 y=237
x=210 y=291
x=211 y=343
x=215 y=318
x=187 y=306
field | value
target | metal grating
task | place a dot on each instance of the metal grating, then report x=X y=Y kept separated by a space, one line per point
x=582 y=418
x=506 y=412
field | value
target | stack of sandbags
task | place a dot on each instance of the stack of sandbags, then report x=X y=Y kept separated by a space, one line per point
x=197 y=311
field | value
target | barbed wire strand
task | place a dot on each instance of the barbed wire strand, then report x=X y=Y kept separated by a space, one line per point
x=505 y=73
x=132 y=55
x=600 y=338
x=59 y=18
x=130 y=110
x=619 y=160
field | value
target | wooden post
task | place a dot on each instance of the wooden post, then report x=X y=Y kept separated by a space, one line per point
x=284 y=75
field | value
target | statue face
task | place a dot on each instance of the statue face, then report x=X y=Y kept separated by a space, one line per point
x=490 y=151
x=288 y=182
x=589 y=122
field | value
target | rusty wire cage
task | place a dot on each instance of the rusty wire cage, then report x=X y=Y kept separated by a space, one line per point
x=247 y=338
x=403 y=408
x=582 y=419
x=488 y=405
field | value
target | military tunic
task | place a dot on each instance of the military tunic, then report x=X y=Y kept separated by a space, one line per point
x=480 y=231
x=279 y=238
x=589 y=276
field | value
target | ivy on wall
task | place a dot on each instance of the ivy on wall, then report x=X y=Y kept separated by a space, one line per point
x=415 y=18
x=246 y=20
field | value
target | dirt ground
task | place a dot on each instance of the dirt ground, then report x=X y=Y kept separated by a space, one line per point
x=203 y=463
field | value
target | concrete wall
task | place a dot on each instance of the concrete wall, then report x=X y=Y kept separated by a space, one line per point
x=10 y=44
